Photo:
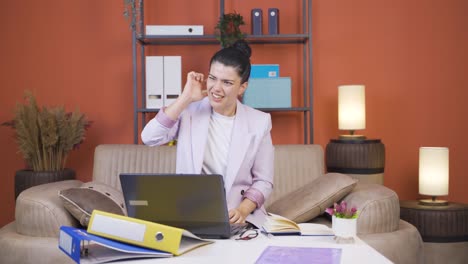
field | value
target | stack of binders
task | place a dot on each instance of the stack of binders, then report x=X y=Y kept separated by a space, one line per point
x=266 y=89
x=111 y=237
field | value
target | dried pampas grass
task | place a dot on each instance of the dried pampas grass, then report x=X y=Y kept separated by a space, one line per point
x=46 y=136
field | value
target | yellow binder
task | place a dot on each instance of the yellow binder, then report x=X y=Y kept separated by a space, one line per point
x=143 y=233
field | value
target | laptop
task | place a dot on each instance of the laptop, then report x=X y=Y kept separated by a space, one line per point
x=195 y=202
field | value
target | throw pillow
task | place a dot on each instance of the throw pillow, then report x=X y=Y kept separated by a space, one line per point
x=312 y=199
x=81 y=202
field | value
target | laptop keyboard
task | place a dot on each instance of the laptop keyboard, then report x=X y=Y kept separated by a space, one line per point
x=238 y=228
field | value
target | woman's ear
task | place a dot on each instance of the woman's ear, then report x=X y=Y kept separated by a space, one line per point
x=242 y=88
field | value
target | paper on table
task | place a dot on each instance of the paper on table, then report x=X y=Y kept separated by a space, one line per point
x=299 y=255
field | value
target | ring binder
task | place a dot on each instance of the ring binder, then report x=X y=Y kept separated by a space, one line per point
x=257 y=21
x=143 y=233
x=273 y=21
x=84 y=247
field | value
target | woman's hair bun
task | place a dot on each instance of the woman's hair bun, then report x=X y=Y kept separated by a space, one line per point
x=243 y=47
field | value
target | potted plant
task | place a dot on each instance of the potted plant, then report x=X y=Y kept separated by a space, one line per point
x=45 y=136
x=344 y=222
x=132 y=11
x=228 y=29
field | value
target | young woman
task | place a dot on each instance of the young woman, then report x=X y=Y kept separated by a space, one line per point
x=217 y=134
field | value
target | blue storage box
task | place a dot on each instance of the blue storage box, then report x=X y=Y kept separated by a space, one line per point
x=264 y=71
x=268 y=93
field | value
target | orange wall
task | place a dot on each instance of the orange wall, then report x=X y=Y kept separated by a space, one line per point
x=411 y=55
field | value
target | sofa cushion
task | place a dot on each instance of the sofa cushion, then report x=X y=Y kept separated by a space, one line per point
x=39 y=211
x=81 y=201
x=295 y=166
x=112 y=159
x=313 y=198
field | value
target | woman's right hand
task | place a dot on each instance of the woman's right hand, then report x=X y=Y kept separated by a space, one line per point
x=194 y=86
x=193 y=91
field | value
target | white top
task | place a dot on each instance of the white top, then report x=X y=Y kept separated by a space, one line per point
x=218 y=143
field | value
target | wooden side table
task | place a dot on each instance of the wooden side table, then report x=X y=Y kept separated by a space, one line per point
x=362 y=159
x=437 y=223
x=444 y=230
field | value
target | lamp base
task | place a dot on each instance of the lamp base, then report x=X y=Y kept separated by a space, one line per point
x=352 y=137
x=433 y=202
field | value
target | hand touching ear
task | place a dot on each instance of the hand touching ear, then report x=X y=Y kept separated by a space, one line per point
x=193 y=91
x=194 y=86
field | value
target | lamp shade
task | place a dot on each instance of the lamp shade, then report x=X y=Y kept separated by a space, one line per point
x=351 y=107
x=433 y=171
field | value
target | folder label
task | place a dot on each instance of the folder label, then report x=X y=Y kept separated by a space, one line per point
x=138 y=202
x=65 y=242
x=107 y=225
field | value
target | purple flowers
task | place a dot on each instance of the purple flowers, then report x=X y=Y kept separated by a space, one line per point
x=342 y=211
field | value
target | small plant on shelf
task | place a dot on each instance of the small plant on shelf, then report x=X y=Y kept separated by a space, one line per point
x=228 y=29
x=132 y=12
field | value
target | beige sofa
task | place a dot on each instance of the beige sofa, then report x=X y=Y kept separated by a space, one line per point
x=32 y=237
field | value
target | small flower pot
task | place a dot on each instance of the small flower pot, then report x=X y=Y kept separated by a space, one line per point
x=344 y=228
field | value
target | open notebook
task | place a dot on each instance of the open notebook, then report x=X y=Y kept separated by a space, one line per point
x=280 y=225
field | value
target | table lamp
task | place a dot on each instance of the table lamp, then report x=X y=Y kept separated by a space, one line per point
x=433 y=174
x=351 y=110
x=355 y=155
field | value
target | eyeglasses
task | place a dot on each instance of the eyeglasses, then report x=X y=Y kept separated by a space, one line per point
x=248 y=234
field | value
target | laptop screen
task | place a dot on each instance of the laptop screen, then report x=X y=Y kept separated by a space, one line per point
x=195 y=202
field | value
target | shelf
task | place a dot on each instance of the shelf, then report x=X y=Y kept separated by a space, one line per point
x=211 y=39
x=292 y=109
x=140 y=42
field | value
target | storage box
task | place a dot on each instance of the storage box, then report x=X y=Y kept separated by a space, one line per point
x=268 y=93
x=163 y=80
x=264 y=71
x=174 y=30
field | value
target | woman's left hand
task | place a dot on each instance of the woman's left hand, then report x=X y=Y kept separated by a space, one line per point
x=239 y=214
x=236 y=216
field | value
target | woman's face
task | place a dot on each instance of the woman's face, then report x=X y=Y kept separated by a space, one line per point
x=224 y=86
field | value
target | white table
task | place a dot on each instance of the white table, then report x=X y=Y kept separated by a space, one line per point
x=239 y=251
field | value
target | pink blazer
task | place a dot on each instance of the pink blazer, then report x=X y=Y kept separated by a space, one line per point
x=251 y=154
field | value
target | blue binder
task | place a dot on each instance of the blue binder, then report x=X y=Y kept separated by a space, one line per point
x=273 y=21
x=265 y=71
x=83 y=247
x=268 y=93
x=257 y=21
